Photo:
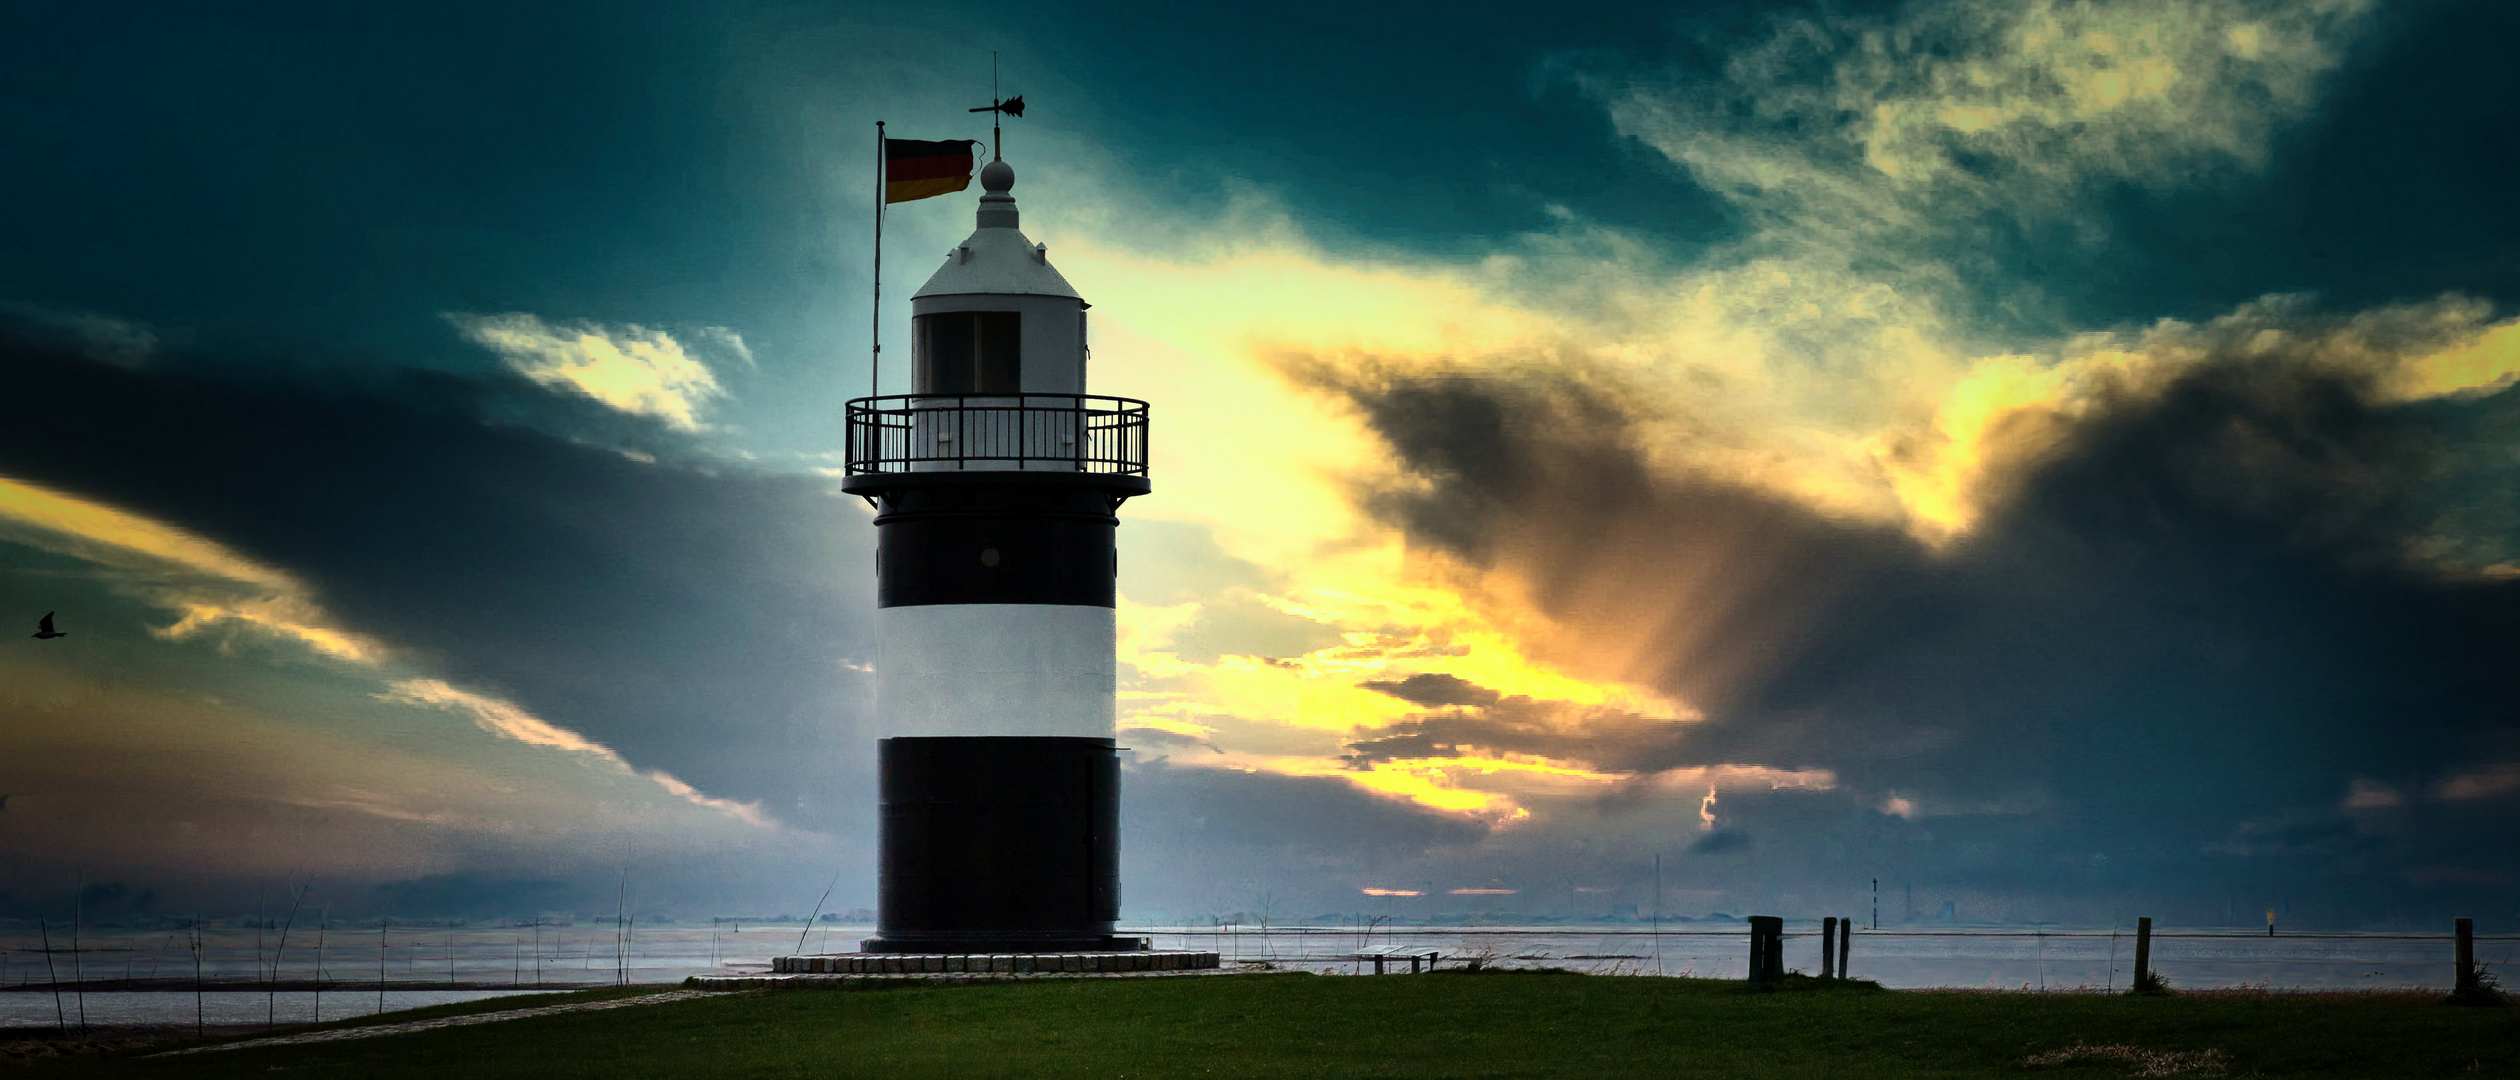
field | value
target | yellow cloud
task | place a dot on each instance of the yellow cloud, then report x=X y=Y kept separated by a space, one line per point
x=2004 y=411
x=630 y=368
x=2488 y=359
x=208 y=585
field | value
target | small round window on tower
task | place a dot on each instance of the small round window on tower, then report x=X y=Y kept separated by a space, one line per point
x=988 y=556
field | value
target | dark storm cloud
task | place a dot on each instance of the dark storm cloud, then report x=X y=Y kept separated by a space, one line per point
x=695 y=616
x=1719 y=842
x=1480 y=720
x=2192 y=626
x=1434 y=690
x=1211 y=840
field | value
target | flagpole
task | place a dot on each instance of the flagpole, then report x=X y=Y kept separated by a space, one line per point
x=875 y=365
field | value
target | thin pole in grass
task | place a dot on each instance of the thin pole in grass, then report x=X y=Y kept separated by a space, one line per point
x=78 y=970
x=1658 y=958
x=621 y=914
x=322 y=923
x=381 y=923
x=196 y=953
x=271 y=986
x=450 y=954
x=61 y=1018
x=818 y=906
x=538 y=950
x=261 y=915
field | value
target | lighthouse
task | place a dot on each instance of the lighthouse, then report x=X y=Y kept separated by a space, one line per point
x=997 y=483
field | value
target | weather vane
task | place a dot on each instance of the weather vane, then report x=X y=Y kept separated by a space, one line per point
x=1013 y=106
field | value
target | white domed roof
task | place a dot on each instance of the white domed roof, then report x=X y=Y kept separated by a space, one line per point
x=997 y=259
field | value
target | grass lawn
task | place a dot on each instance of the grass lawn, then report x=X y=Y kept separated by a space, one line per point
x=1510 y=1024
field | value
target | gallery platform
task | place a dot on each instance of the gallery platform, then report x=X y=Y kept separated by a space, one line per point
x=801 y=972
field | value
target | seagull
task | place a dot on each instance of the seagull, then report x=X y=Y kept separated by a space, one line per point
x=43 y=627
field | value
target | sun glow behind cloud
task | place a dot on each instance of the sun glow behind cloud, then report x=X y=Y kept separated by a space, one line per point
x=1819 y=356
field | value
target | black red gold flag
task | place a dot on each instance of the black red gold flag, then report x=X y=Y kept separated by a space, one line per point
x=916 y=169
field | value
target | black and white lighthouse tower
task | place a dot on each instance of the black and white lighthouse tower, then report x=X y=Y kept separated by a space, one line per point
x=997 y=483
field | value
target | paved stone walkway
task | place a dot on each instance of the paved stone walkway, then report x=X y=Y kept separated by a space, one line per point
x=373 y=1030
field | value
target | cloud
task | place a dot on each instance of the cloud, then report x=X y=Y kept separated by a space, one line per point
x=1208 y=840
x=1434 y=689
x=104 y=337
x=2224 y=550
x=690 y=617
x=2372 y=795
x=634 y=369
x=1720 y=841
x=1855 y=127
x=208 y=585
x=1481 y=723
x=2487 y=783
x=506 y=720
x=1856 y=495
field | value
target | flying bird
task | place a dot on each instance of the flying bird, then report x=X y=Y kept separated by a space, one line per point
x=44 y=629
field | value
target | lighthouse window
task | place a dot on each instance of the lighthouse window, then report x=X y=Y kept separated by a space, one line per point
x=968 y=352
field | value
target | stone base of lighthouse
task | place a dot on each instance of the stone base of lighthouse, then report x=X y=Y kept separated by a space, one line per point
x=999 y=844
x=842 y=970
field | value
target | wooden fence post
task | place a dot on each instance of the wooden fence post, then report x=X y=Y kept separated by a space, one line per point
x=1767 y=947
x=1846 y=944
x=2463 y=935
x=1828 y=947
x=2143 y=952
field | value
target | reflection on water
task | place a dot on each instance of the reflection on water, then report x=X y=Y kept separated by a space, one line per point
x=433 y=965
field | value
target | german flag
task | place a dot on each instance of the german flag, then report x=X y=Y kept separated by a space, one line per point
x=914 y=169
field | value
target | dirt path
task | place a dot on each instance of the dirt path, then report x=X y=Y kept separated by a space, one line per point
x=373 y=1030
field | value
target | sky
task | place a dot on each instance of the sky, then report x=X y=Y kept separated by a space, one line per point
x=2056 y=458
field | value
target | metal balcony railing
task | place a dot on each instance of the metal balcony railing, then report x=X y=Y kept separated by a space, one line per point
x=1086 y=433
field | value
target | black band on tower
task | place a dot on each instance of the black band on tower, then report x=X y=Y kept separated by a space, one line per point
x=999 y=844
x=963 y=539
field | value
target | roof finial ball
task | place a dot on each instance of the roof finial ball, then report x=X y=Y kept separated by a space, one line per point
x=997 y=208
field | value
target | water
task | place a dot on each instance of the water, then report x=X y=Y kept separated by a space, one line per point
x=2058 y=958
x=150 y=972
x=154 y=970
